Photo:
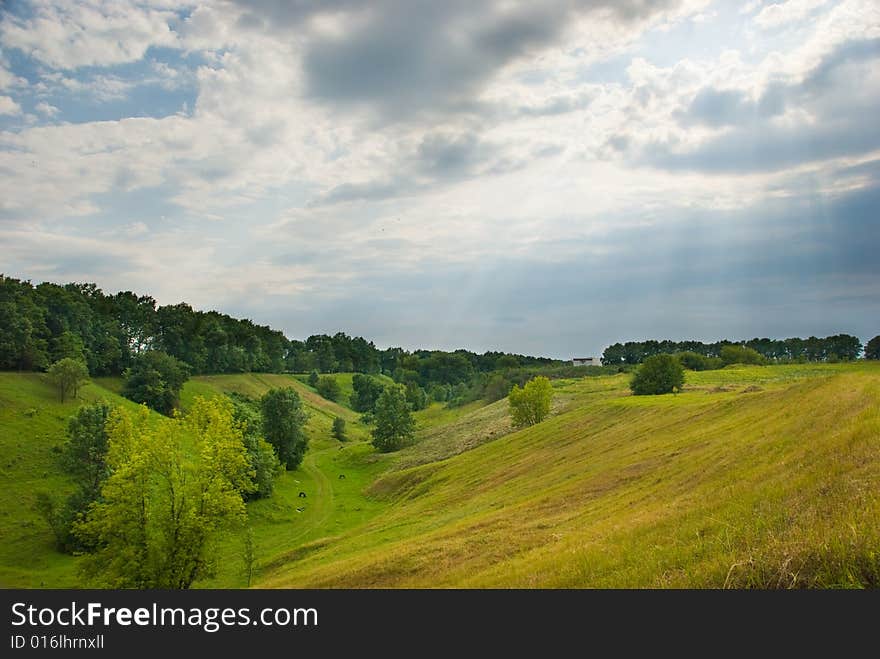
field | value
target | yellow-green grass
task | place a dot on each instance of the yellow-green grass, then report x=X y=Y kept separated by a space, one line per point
x=754 y=476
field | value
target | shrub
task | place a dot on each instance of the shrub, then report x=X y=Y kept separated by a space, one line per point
x=531 y=404
x=328 y=387
x=658 y=374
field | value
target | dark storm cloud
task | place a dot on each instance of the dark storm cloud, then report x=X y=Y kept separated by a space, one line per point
x=402 y=57
x=834 y=92
x=440 y=157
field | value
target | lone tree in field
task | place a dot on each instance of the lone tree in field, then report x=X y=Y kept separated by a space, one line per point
x=176 y=485
x=872 y=348
x=395 y=425
x=531 y=404
x=68 y=375
x=659 y=374
x=284 y=421
x=339 y=429
x=155 y=379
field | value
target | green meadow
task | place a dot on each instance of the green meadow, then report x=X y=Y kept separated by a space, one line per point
x=764 y=476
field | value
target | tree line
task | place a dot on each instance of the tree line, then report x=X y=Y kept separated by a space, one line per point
x=840 y=347
x=48 y=322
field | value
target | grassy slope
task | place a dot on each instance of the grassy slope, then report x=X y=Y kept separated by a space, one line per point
x=754 y=476
x=713 y=486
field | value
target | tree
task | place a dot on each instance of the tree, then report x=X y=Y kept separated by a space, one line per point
x=366 y=392
x=339 y=429
x=741 y=355
x=85 y=454
x=261 y=454
x=68 y=375
x=395 y=425
x=872 y=348
x=531 y=404
x=84 y=458
x=697 y=362
x=284 y=420
x=314 y=379
x=328 y=388
x=155 y=380
x=176 y=485
x=658 y=374
x=416 y=397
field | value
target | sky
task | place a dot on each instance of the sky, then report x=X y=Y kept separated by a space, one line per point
x=543 y=177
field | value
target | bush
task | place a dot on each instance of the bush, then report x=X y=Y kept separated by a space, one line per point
x=658 y=374
x=339 y=429
x=313 y=379
x=694 y=361
x=328 y=387
x=531 y=404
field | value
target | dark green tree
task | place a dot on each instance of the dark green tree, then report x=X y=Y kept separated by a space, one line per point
x=339 y=429
x=366 y=392
x=284 y=420
x=658 y=374
x=395 y=425
x=416 y=397
x=261 y=454
x=84 y=457
x=872 y=348
x=314 y=379
x=155 y=379
x=328 y=388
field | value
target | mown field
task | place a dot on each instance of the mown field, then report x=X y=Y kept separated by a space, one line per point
x=752 y=477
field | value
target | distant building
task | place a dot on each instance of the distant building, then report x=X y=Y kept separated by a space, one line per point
x=586 y=361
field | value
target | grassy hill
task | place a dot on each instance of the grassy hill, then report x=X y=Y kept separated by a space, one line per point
x=754 y=476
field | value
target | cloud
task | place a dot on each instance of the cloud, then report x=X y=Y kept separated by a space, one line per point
x=782 y=13
x=9 y=106
x=407 y=58
x=825 y=114
x=88 y=32
x=46 y=109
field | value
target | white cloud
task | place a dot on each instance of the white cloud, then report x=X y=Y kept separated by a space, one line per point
x=9 y=106
x=89 y=32
x=791 y=11
x=46 y=109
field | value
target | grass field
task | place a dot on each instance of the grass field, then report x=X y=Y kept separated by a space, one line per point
x=751 y=477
